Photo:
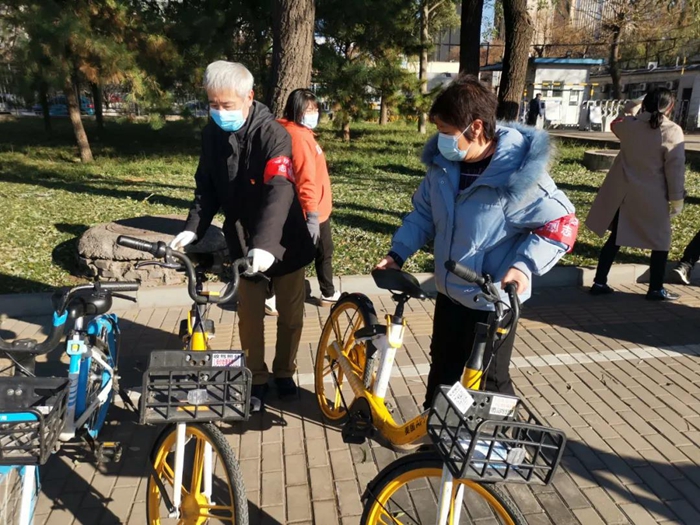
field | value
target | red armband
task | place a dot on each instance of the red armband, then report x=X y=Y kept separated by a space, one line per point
x=278 y=167
x=563 y=230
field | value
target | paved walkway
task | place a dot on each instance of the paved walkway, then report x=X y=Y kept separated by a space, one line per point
x=620 y=375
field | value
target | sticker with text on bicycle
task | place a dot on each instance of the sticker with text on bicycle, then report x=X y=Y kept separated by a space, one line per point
x=492 y=437
x=186 y=386
x=32 y=415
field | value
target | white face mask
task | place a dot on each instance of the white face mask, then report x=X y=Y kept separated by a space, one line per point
x=310 y=120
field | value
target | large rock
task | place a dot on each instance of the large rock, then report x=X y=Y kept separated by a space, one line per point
x=599 y=160
x=102 y=257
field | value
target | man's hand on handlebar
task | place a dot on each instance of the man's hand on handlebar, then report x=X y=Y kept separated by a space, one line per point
x=182 y=239
x=261 y=260
x=388 y=263
x=513 y=275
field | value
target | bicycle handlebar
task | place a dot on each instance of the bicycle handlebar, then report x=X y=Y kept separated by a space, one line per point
x=487 y=286
x=157 y=249
x=487 y=334
x=161 y=250
x=60 y=317
x=119 y=286
x=465 y=273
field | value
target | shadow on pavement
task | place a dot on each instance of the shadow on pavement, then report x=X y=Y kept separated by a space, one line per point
x=616 y=319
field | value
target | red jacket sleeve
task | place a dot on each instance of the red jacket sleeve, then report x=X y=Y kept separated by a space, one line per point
x=304 y=163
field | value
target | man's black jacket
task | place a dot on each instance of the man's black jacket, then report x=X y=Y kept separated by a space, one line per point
x=248 y=175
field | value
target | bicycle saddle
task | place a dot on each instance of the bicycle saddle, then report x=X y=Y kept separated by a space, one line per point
x=398 y=281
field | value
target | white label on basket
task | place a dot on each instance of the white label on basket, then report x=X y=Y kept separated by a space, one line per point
x=516 y=456
x=43 y=409
x=503 y=406
x=226 y=359
x=460 y=397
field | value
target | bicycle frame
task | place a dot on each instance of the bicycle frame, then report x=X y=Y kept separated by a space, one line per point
x=198 y=341
x=199 y=337
x=77 y=413
x=387 y=345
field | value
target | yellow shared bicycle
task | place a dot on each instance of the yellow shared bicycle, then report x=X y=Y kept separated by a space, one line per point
x=195 y=478
x=356 y=355
x=479 y=438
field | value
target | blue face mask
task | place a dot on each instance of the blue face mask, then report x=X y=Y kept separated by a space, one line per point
x=226 y=119
x=449 y=146
x=310 y=120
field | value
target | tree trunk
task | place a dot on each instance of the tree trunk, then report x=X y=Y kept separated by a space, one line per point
x=44 y=101
x=346 y=130
x=615 y=74
x=470 y=37
x=423 y=63
x=97 y=101
x=292 y=50
x=519 y=29
x=74 y=114
x=384 y=112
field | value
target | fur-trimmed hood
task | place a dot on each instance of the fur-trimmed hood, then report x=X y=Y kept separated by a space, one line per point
x=521 y=159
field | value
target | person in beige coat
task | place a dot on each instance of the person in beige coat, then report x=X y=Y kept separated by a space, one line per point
x=642 y=192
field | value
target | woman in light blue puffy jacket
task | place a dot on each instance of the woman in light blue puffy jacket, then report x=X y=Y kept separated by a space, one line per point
x=487 y=202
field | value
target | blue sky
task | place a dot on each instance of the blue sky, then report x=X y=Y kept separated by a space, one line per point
x=487 y=19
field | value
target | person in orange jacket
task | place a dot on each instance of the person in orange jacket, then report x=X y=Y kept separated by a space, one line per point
x=313 y=183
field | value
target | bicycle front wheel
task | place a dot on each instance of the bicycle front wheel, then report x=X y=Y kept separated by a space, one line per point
x=407 y=492
x=212 y=484
x=350 y=314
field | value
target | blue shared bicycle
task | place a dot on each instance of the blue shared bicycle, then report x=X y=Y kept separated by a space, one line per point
x=38 y=413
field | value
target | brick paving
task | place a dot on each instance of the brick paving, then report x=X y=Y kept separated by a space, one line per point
x=620 y=375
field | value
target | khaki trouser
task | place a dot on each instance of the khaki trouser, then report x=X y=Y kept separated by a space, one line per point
x=290 y=292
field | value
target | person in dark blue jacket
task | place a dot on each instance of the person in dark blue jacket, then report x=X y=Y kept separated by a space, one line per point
x=488 y=202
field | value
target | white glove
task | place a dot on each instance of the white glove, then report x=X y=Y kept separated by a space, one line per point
x=262 y=260
x=182 y=239
x=675 y=208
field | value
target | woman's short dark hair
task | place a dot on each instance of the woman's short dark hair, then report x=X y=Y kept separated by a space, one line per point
x=658 y=102
x=297 y=104
x=465 y=100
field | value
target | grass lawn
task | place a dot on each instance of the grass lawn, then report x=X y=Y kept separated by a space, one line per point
x=48 y=198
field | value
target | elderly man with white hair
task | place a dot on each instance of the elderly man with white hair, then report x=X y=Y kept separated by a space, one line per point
x=245 y=171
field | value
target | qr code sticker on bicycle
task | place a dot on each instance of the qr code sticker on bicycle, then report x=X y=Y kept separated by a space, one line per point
x=503 y=406
x=227 y=360
x=460 y=397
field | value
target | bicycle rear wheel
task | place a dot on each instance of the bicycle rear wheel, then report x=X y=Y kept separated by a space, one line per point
x=407 y=492
x=350 y=314
x=227 y=502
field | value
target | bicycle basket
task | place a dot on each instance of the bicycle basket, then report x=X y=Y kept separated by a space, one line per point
x=32 y=414
x=186 y=386
x=493 y=437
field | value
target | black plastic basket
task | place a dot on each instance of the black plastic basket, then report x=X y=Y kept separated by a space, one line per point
x=497 y=438
x=186 y=386
x=32 y=414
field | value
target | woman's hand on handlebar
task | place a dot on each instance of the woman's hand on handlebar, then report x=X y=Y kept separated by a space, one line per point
x=388 y=263
x=521 y=281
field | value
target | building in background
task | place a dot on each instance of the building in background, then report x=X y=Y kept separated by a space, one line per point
x=565 y=85
x=684 y=81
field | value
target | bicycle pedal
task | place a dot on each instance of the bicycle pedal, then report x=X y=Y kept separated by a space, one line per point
x=108 y=452
x=358 y=428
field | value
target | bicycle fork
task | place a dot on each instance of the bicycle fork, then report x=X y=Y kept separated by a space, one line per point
x=173 y=506
x=29 y=489
x=449 y=507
